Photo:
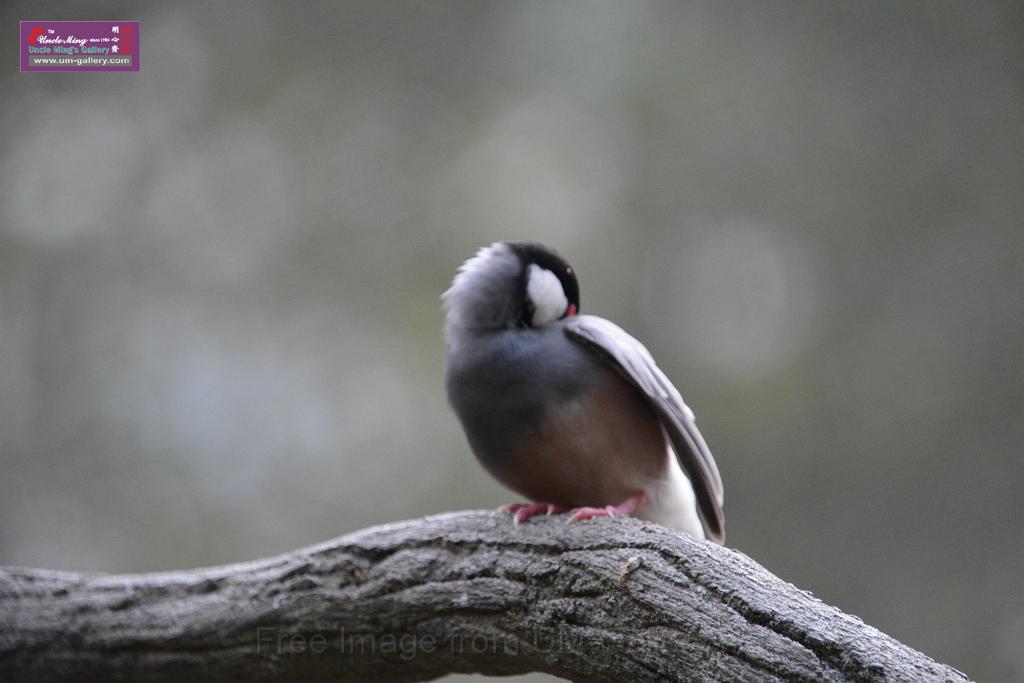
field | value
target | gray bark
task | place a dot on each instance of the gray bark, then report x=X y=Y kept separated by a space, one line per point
x=605 y=600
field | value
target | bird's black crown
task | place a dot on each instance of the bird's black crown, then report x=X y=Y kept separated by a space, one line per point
x=549 y=259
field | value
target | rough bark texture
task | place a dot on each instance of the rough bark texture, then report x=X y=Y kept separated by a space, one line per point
x=606 y=600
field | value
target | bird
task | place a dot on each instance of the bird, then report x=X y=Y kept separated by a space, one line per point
x=569 y=410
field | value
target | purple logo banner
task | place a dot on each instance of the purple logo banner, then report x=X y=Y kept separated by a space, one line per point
x=80 y=46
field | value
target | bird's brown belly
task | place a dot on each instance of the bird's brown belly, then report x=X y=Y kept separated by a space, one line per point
x=598 y=450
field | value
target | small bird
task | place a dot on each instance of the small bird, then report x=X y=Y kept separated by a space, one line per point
x=565 y=409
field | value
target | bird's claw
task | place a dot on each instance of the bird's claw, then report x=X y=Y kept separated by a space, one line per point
x=582 y=514
x=523 y=511
x=624 y=509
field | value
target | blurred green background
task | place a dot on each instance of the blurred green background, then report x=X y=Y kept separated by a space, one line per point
x=220 y=333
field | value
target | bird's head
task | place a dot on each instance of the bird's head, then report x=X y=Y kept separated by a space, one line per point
x=512 y=284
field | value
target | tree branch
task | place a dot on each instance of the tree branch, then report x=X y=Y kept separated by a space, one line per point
x=609 y=600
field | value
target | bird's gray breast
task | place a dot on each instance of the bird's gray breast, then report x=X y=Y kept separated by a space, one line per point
x=502 y=385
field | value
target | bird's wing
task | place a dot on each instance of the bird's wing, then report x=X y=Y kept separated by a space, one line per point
x=634 y=362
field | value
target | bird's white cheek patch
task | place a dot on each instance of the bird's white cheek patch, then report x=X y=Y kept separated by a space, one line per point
x=547 y=295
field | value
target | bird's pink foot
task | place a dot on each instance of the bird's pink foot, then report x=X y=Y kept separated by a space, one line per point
x=523 y=511
x=623 y=509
